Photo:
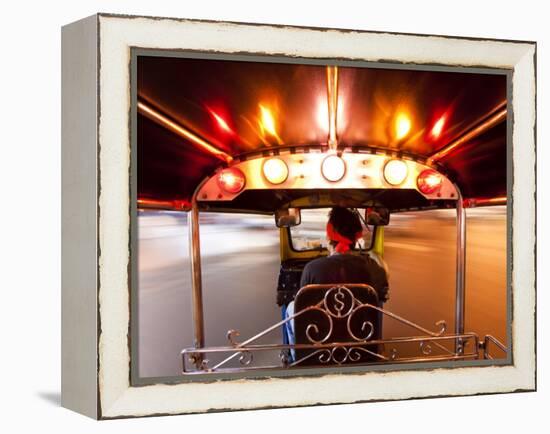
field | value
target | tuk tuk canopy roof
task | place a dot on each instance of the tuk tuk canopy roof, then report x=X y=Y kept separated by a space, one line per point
x=238 y=107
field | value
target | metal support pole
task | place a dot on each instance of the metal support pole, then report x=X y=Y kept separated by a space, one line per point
x=332 y=102
x=196 y=275
x=460 y=307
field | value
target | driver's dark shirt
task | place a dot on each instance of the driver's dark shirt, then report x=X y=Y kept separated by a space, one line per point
x=346 y=268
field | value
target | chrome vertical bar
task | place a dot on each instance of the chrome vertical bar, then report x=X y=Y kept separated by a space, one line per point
x=196 y=275
x=460 y=307
x=332 y=100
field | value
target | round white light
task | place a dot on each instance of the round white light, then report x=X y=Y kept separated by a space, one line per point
x=275 y=170
x=395 y=172
x=333 y=168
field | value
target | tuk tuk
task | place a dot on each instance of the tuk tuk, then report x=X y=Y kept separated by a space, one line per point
x=336 y=324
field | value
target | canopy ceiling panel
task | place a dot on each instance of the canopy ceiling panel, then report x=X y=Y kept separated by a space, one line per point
x=239 y=107
x=479 y=166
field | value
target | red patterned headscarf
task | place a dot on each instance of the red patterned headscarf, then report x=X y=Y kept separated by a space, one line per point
x=344 y=244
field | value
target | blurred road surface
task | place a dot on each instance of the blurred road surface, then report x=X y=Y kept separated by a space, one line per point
x=241 y=264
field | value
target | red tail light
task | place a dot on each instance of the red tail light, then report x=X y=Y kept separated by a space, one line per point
x=231 y=180
x=429 y=181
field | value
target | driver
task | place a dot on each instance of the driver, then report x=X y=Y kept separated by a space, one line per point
x=341 y=266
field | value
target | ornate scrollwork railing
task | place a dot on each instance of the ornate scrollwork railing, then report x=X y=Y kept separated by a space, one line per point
x=339 y=306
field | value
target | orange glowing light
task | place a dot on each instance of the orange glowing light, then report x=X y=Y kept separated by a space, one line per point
x=268 y=124
x=402 y=126
x=267 y=121
x=438 y=127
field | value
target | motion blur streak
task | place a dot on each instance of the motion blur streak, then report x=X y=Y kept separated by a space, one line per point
x=221 y=122
x=240 y=258
x=181 y=131
x=267 y=123
x=493 y=120
x=402 y=126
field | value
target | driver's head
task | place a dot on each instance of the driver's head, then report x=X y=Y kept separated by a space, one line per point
x=343 y=229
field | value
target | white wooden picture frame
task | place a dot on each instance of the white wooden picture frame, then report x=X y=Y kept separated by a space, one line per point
x=96 y=144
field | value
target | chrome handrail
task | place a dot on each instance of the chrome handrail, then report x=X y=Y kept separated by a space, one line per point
x=345 y=306
x=495 y=341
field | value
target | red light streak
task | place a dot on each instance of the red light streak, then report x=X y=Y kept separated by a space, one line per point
x=180 y=130
x=177 y=205
x=438 y=127
x=221 y=122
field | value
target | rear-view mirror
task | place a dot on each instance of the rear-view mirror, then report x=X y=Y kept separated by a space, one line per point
x=287 y=218
x=377 y=216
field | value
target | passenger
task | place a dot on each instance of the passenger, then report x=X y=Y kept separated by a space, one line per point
x=341 y=266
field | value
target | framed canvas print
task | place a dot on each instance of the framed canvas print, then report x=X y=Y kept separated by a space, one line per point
x=259 y=216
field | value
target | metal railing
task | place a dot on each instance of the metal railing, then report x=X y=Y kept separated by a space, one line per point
x=340 y=306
